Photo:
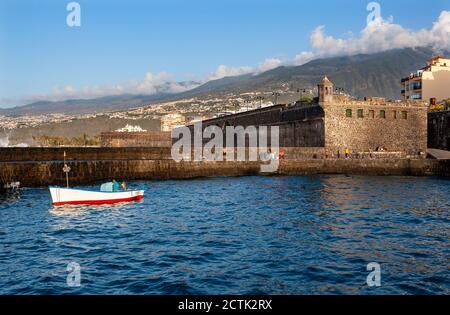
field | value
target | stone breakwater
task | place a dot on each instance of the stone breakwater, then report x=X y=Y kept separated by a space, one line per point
x=83 y=154
x=35 y=167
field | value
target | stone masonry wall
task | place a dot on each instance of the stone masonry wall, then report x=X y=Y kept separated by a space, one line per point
x=402 y=131
x=362 y=134
x=136 y=139
x=82 y=153
x=300 y=126
x=35 y=174
x=439 y=130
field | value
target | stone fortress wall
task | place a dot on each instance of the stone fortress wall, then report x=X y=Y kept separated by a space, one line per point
x=40 y=173
x=300 y=125
x=439 y=130
x=374 y=123
x=38 y=154
x=156 y=139
x=339 y=122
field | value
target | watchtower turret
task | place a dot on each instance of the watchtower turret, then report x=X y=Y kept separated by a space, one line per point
x=325 y=89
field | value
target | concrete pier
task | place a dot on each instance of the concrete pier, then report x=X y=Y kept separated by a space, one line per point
x=35 y=167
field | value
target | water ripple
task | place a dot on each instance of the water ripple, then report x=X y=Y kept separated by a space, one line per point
x=250 y=235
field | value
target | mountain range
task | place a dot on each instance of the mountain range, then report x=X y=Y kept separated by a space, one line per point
x=360 y=75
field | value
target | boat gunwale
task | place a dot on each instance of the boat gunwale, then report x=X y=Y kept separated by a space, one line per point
x=97 y=191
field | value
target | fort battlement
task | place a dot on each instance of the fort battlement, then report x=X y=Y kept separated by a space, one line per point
x=339 y=123
x=374 y=101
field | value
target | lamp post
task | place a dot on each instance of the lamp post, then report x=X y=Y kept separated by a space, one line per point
x=235 y=103
x=301 y=91
x=246 y=104
x=339 y=90
x=276 y=95
x=260 y=98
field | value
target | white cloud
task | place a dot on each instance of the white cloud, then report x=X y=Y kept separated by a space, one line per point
x=223 y=71
x=269 y=64
x=303 y=57
x=151 y=84
x=439 y=35
x=378 y=35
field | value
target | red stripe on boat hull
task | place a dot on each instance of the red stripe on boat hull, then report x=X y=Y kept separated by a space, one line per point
x=97 y=202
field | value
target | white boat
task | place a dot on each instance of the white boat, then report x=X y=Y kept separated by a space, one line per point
x=69 y=196
x=108 y=193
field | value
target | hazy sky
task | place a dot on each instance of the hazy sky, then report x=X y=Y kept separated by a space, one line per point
x=135 y=45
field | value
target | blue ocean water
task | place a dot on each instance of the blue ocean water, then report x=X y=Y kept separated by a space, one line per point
x=246 y=235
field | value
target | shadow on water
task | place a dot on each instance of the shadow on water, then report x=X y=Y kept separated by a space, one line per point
x=8 y=197
x=82 y=210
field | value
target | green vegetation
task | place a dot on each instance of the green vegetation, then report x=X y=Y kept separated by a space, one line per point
x=306 y=99
x=437 y=108
x=444 y=105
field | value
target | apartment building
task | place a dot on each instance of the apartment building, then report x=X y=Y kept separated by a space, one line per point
x=432 y=81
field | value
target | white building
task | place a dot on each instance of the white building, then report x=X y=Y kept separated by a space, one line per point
x=130 y=128
x=170 y=121
x=432 y=81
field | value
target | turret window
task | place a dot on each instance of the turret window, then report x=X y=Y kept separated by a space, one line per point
x=348 y=113
x=404 y=114
x=360 y=113
x=382 y=114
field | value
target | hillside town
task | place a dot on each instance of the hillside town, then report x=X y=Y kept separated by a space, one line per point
x=421 y=85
